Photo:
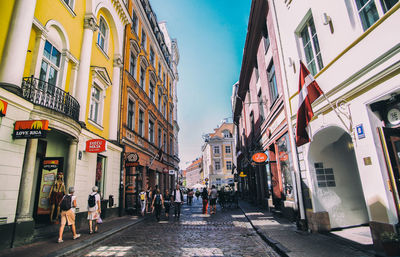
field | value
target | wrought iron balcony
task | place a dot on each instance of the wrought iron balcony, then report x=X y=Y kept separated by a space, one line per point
x=42 y=93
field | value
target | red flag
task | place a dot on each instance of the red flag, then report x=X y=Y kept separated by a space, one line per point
x=309 y=91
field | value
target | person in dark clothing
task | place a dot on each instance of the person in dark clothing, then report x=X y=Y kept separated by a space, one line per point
x=167 y=202
x=157 y=204
x=204 y=196
x=177 y=195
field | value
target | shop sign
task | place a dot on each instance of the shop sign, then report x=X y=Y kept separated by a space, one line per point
x=132 y=160
x=3 y=108
x=96 y=145
x=165 y=170
x=259 y=157
x=360 y=131
x=30 y=129
x=241 y=174
x=50 y=164
x=171 y=172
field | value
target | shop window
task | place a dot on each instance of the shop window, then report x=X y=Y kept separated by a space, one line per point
x=311 y=47
x=50 y=68
x=227 y=149
x=325 y=176
x=286 y=165
x=101 y=174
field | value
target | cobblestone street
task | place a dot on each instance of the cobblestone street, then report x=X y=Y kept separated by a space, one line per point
x=228 y=233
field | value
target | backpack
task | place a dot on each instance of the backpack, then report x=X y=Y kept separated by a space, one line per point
x=65 y=203
x=158 y=199
x=142 y=196
x=92 y=200
x=204 y=195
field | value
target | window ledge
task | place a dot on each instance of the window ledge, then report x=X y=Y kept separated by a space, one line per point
x=69 y=8
x=102 y=50
x=92 y=122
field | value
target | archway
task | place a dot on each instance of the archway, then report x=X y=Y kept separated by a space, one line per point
x=336 y=179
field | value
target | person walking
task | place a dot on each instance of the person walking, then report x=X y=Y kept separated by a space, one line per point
x=190 y=196
x=213 y=199
x=204 y=196
x=67 y=206
x=142 y=199
x=94 y=209
x=157 y=204
x=148 y=199
x=167 y=202
x=177 y=196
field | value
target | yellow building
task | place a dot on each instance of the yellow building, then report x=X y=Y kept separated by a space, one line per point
x=60 y=65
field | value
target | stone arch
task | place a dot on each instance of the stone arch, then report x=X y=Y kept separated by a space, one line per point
x=335 y=178
x=62 y=33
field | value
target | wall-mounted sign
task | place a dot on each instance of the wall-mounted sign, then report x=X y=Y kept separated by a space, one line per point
x=3 y=108
x=132 y=160
x=96 y=145
x=165 y=170
x=259 y=157
x=241 y=174
x=171 y=172
x=393 y=116
x=30 y=129
x=360 y=131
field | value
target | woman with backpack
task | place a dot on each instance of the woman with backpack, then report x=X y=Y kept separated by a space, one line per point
x=157 y=204
x=94 y=209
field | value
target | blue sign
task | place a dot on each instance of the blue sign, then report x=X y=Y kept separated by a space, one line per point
x=360 y=131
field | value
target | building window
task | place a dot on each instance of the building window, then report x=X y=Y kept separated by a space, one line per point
x=50 y=68
x=142 y=77
x=170 y=114
x=151 y=131
x=325 y=176
x=228 y=165
x=70 y=3
x=273 y=87
x=100 y=174
x=368 y=12
x=256 y=73
x=141 y=122
x=159 y=138
x=164 y=109
x=102 y=35
x=227 y=149
x=170 y=89
x=165 y=143
x=132 y=64
x=266 y=39
x=95 y=104
x=218 y=182
x=388 y=4
x=217 y=165
x=227 y=134
x=131 y=115
x=159 y=69
x=171 y=147
x=152 y=59
x=311 y=47
x=143 y=42
x=159 y=100
x=151 y=92
x=260 y=105
x=216 y=149
x=134 y=21
x=163 y=79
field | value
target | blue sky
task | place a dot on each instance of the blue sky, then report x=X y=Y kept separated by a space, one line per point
x=211 y=36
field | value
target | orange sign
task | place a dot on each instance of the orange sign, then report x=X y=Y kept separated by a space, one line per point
x=96 y=145
x=30 y=129
x=3 y=108
x=259 y=157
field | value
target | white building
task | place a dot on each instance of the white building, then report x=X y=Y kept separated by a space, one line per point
x=218 y=154
x=351 y=168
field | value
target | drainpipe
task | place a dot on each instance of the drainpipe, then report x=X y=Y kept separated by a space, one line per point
x=299 y=190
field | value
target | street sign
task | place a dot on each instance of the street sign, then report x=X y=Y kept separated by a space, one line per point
x=360 y=131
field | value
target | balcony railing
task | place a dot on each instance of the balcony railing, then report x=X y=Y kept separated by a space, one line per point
x=42 y=93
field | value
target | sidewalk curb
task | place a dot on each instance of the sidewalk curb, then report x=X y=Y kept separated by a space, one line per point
x=92 y=240
x=277 y=246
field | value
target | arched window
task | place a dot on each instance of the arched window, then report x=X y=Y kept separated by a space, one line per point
x=102 y=35
x=50 y=68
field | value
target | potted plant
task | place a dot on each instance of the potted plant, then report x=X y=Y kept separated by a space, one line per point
x=391 y=243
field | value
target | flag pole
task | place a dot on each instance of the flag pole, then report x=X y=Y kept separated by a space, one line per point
x=337 y=114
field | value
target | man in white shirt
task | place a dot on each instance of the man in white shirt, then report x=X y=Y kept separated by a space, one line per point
x=178 y=200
